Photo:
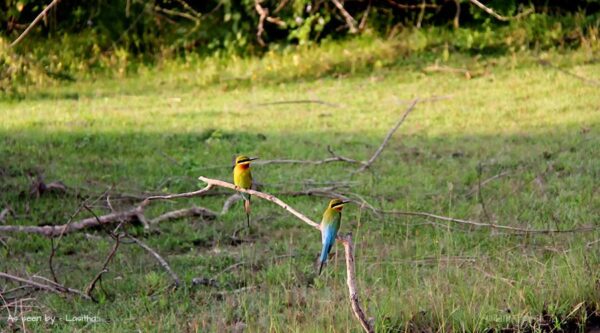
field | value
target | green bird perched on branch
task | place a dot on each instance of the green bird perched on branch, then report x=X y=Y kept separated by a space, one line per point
x=242 y=177
x=330 y=224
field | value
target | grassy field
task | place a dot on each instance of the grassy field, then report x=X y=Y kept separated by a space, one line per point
x=536 y=127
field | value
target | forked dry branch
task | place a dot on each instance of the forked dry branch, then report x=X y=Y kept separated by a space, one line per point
x=51 y=287
x=346 y=240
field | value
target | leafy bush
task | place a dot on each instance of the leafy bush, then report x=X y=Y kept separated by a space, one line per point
x=78 y=40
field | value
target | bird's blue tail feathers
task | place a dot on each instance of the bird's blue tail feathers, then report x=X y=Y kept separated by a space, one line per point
x=327 y=245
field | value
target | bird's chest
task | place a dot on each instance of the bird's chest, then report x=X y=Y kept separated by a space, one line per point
x=242 y=176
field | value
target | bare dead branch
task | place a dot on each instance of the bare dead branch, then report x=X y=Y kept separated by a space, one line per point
x=4 y=213
x=363 y=20
x=311 y=162
x=98 y=276
x=430 y=99
x=280 y=6
x=265 y=196
x=299 y=101
x=489 y=225
x=35 y=21
x=263 y=14
x=405 y=6
x=330 y=192
x=193 y=194
x=590 y=244
x=456 y=20
x=62 y=233
x=50 y=259
x=577 y=76
x=230 y=202
x=235 y=291
x=351 y=281
x=480 y=194
x=182 y=213
x=421 y=14
x=510 y=282
x=189 y=8
x=173 y=12
x=90 y=222
x=55 y=287
x=367 y=164
x=447 y=69
x=486 y=181
x=346 y=240
x=327 y=192
x=498 y=16
x=350 y=21
x=334 y=158
x=158 y=258
x=132 y=215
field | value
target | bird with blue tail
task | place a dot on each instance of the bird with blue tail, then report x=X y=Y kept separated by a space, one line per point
x=242 y=177
x=330 y=224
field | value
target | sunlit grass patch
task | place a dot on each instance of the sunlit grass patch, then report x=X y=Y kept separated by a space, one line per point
x=159 y=132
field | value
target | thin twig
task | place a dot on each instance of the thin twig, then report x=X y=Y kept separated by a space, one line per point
x=589 y=244
x=334 y=158
x=430 y=99
x=363 y=20
x=486 y=181
x=186 y=212
x=350 y=21
x=481 y=224
x=177 y=13
x=456 y=20
x=35 y=21
x=193 y=194
x=190 y=9
x=52 y=288
x=299 y=101
x=584 y=79
x=50 y=264
x=98 y=276
x=55 y=246
x=4 y=213
x=510 y=282
x=498 y=16
x=263 y=15
x=62 y=233
x=405 y=6
x=158 y=258
x=480 y=195
x=391 y=132
x=235 y=291
x=447 y=69
x=280 y=6
x=351 y=281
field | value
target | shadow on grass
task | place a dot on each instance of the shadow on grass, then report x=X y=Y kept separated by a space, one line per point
x=551 y=181
x=564 y=159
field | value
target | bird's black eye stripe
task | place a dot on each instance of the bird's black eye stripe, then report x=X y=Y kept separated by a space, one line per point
x=337 y=204
x=244 y=160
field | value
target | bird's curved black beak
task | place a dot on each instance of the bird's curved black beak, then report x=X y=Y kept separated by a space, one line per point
x=343 y=202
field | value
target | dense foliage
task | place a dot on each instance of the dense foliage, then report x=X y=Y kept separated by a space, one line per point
x=225 y=24
x=79 y=38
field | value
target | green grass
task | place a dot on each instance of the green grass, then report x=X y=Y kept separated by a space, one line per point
x=160 y=130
